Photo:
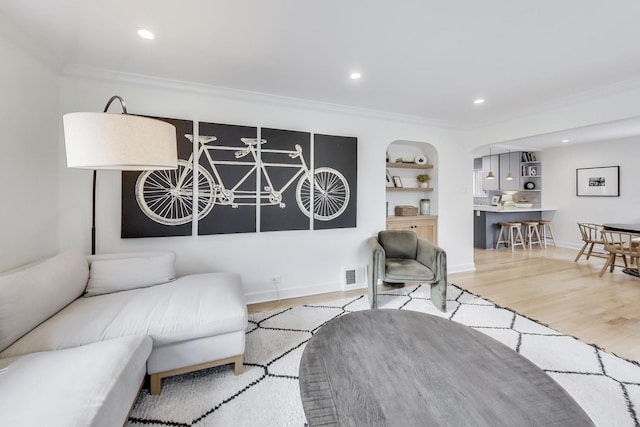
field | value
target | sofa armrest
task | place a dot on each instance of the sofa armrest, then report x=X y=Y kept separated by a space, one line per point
x=376 y=257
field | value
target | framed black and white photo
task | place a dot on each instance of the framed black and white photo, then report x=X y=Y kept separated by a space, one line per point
x=397 y=182
x=389 y=179
x=603 y=181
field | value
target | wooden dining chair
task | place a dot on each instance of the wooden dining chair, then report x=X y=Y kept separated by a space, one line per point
x=623 y=244
x=591 y=236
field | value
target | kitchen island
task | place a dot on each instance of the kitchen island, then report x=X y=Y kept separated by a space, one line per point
x=486 y=219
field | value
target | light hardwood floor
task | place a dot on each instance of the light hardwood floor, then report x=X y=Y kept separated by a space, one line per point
x=547 y=285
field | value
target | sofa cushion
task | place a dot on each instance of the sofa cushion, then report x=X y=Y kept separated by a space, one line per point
x=91 y=385
x=191 y=307
x=120 y=272
x=29 y=296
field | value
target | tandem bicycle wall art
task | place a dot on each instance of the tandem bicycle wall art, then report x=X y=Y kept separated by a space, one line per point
x=228 y=176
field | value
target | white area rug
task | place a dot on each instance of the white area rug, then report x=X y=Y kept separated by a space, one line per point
x=267 y=394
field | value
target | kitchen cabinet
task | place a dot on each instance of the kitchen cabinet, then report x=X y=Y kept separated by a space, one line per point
x=509 y=163
x=491 y=163
x=487 y=219
x=425 y=226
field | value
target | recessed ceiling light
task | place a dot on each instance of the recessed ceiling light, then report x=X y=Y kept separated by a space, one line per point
x=146 y=34
x=355 y=76
x=479 y=101
x=565 y=140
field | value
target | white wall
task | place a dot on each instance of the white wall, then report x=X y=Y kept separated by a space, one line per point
x=29 y=134
x=307 y=261
x=559 y=186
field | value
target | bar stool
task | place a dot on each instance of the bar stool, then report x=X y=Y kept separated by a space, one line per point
x=531 y=234
x=512 y=235
x=544 y=226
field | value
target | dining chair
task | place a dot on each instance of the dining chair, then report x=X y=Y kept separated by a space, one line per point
x=591 y=236
x=623 y=244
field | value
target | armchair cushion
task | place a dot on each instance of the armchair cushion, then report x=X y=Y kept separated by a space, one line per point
x=406 y=270
x=399 y=244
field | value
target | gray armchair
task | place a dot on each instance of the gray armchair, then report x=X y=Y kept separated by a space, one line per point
x=399 y=256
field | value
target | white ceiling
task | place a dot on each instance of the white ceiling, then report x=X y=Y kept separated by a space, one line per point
x=423 y=58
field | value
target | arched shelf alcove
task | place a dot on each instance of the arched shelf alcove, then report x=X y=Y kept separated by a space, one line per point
x=403 y=189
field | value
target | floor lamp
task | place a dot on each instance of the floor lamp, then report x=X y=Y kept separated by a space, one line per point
x=117 y=142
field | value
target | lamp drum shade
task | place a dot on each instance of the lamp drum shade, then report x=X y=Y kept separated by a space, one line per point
x=119 y=142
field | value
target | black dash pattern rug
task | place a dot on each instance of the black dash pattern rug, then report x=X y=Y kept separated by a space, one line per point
x=267 y=394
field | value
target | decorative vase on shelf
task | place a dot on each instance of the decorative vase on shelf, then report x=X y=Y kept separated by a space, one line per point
x=423 y=180
x=425 y=206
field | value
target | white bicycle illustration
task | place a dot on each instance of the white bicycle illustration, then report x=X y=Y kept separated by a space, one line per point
x=166 y=196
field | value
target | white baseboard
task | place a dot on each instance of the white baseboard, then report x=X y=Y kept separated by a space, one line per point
x=305 y=291
x=286 y=293
x=461 y=268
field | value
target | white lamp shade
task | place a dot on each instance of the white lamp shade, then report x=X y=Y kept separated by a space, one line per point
x=119 y=141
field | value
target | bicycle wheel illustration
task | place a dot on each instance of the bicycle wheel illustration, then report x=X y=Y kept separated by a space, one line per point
x=331 y=194
x=166 y=196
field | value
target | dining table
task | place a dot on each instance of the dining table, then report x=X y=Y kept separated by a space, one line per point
x=625 y=228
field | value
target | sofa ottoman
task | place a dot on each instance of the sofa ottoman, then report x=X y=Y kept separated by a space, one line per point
x=91 y=385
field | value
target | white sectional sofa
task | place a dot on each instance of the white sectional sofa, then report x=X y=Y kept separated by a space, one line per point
x=78 y=335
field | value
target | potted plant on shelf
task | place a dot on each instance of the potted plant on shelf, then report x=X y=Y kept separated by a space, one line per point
x=423 y=180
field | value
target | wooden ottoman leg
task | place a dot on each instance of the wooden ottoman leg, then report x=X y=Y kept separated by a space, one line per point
x=238 y=365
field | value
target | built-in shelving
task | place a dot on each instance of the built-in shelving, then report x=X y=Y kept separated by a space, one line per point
x=403 y=187
x=409 y=166
x=420 y=189
x=530 y=171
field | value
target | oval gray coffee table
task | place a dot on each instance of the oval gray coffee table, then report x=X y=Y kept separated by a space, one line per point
x=404 y=368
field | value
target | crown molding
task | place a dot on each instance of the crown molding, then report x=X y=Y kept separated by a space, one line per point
x=84 y=72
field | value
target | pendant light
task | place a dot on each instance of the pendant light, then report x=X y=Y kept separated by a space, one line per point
x=509 y=175
x=490 y=175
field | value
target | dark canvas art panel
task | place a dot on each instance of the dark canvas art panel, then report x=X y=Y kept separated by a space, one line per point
x=335 y=181
x=227 y=168
x=160 y=203
x=285 y=171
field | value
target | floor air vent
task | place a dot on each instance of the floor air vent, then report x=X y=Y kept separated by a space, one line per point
x=355 y=277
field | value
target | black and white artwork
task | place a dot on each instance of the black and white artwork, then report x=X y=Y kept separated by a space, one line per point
x=603 y=181
x=227 y=158
x=335 y=181
x=216 y=183
x=284 y=180
x=159 y=203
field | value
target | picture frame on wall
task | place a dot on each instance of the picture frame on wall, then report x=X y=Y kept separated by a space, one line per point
x=397 y=182
x=598 y=182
